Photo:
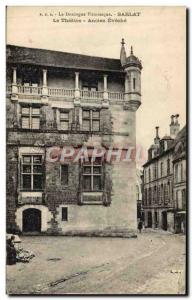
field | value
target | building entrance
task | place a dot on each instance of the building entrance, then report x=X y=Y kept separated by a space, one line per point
x=31 y=220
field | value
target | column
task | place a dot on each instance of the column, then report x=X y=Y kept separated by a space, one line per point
x=14 y=76
x=105 y=83
x=76 y=80
x=44 y=88
x=105 y=92
x=44 y=78
x=77 y=91
x=14 y=95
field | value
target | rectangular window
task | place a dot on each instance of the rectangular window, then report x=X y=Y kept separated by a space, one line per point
x=91 y=120
x=89 y=87
x=64 y=214
x=64 y=174
x=92 y=175
x=64 y=120
x=168 y=166
x=31 y=173
x=162 y=173
x=30 y=117
x=87 y=120
x=134 y=83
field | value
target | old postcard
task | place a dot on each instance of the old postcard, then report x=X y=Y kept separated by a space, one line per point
x=96 y=150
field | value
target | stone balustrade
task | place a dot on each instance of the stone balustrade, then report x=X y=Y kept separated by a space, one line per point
x=63 y=92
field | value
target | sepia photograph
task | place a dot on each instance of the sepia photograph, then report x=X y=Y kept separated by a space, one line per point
x=96 y=150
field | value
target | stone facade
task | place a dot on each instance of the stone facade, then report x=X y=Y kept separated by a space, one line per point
x=160 y=182
x=59 y=100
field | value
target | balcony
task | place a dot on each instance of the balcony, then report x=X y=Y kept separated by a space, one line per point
x=60 y=92
x=29 y=90
x=53 y=92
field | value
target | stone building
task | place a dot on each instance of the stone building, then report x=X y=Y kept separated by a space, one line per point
x=180 y=181
x=162 y=190
x=139 y=179
x=55 y=101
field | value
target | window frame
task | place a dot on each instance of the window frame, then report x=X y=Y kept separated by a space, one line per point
x=91 y=164
x=134 y=83
x=30 y=116
x=31 y=173
x=63 y=119
x=91 y=119
x=66 y=214
x=161 y=169
x=62 y=181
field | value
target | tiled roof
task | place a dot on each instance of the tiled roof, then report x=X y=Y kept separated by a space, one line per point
x=181 y=136
x=34 y=56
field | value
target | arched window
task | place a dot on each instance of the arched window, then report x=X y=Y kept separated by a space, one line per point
x=155 y=194
x=149 y=196
x=149 y=174
x=176 y=173
x=158 y=194
x=183 y=199
x=165 y=193
x=145 y=197
x=161 y=169
x=168 y=191
x=181 y=171
x=168 y=166
x=161 y=199
x=137 y=192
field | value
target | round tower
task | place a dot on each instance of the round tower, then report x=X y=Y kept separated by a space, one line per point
x=132 y=67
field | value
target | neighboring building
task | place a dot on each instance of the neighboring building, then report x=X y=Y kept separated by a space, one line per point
x=161 y=189
x=57 y=99
x=139 y=175
x=179 y=187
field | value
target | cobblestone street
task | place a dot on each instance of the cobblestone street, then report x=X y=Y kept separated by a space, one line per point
x=153 y=263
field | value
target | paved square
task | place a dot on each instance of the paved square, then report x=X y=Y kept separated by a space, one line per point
x=152 y=263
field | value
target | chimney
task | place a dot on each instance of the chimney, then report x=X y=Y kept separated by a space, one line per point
x=174 y=126
x=123 y=56
x=157 y=138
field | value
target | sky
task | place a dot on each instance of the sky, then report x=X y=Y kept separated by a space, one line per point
x=158 y=37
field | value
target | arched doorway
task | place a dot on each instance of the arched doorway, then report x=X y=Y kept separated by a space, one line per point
x=31 y=220
x=149 y=219
x=164 y=220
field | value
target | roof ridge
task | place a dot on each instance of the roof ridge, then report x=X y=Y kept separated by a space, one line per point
x=63 y=52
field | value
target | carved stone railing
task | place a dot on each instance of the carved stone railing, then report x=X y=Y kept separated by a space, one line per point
x=60 y=92
x=63 y=93
x=116 y=96
x=91 y=95
x=29 y=90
